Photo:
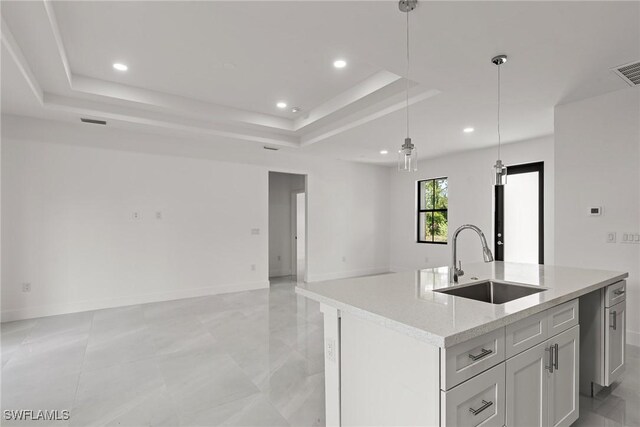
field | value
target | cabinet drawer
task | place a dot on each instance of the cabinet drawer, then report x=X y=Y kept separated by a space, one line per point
x=477 y=402
x=615 y=293
x=562 y=317
x=469 y=358
x=526 y=333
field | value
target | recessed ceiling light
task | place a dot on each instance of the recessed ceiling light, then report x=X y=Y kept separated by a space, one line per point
x=468 y=130
x=281 y=104
x=384 y=152
x=120 y=67
x=339 y=63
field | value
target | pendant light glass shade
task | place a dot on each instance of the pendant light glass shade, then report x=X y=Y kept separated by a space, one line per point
x=408 y=157
x=500 y=175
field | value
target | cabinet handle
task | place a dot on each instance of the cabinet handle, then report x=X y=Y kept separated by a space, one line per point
x=613 y=320
x=550 y=366
x=482 y=354
x=618 y=292
x=484 y=406
x=556 y=356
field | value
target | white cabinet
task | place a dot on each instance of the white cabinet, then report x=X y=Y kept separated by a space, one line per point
x=526 y=333
x=526 y=384
x=615 y=342
x=477 y=402
x=563 y=382
x=542 y=383
x=469 y=358
x=602 y=337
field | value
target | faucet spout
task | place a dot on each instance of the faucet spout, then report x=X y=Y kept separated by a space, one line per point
x=455 y=270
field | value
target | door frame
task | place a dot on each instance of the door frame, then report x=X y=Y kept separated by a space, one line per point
x=294 y=231
x=499 y=210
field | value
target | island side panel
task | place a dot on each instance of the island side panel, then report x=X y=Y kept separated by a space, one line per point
x=331 y=364
x=387 y=378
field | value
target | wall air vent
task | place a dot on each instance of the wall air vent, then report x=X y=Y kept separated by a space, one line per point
x=630 y=73
x=270 y=148
x=93 y=121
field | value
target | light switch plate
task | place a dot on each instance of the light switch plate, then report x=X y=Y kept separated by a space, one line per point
x=611 y=237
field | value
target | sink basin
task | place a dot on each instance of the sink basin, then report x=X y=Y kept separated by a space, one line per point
x=491 y=291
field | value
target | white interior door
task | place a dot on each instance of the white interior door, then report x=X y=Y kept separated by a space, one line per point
x=301 y=237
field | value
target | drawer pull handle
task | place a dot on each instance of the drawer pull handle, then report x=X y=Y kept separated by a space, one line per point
x=484 y=406
x=482 y=354
x=613 y=320
x=618 y=292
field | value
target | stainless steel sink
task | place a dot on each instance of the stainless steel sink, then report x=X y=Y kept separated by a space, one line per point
x=491 y=291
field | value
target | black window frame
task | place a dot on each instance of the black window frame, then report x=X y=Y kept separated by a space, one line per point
x=419 y=211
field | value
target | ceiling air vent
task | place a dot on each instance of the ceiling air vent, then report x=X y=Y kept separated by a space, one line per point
x=630 y=73
x=93 y=121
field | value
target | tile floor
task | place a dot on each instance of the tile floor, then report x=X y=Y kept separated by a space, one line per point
x=249 y=358
x=618 y=405
x=244 y=359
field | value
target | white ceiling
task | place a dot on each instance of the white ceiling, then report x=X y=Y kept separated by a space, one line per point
x=218 y=68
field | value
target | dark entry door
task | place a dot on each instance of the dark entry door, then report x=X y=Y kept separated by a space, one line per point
x=519 y=220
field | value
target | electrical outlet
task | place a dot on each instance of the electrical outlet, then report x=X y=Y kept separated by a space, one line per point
x=26 y=287
x=253 y=267
x=611 y=237
x=159 y=215
x=633 y=238
x=344 y=259
x=255 y=231
x=630 y=238
x=136 y=216
x=278 y=257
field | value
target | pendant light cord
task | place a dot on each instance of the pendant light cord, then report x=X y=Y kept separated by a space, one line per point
x=499 y=141
x=407 y=76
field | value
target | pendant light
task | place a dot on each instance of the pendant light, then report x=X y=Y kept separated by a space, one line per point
x=500 y=170
x=407 y=155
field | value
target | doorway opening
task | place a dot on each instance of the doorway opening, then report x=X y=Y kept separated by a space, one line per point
x=287 y=227
x=519 y=215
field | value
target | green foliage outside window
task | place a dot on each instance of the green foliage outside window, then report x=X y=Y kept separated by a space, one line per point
x=433 y=205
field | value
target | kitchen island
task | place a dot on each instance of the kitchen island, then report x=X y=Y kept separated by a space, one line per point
x=400 y=350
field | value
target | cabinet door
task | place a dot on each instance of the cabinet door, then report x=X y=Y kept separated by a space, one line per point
x=614 y=342
x=476 y=402
x=526 y=386
x=563 y=383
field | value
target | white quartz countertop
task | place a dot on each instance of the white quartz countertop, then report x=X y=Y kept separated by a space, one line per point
x=406 y=302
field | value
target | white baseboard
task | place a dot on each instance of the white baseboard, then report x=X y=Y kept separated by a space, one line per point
x=75 y=307
x=346 y=274
x=633 y=338
x=280 y=273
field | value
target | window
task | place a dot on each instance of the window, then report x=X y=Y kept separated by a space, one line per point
x=433 y=204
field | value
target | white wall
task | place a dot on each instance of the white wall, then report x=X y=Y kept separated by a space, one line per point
x=281 y=251
x=597 y=153
x=470 y=201
x=69 y=193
